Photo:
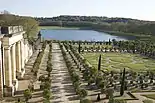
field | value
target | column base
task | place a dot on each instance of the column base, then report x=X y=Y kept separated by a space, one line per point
x=22 y=73
x=1 y=95
x=1 y=91
x=15 y=84
x=8 y=91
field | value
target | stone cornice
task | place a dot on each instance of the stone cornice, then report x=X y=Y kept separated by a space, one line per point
x=11 y=29
x=14 y=34
x=7 y=47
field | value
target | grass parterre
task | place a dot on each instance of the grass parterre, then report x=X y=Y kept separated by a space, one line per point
x=116 y=61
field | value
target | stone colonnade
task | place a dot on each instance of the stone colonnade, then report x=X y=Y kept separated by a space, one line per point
x=15 y=52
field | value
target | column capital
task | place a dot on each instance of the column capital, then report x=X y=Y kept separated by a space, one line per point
x=12 y=45
x=7 y=47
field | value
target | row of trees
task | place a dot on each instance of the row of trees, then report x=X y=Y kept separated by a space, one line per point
x=37 y=62
x=106 y=81
x=28 y=92
x=146 y=48
x=97 y=76
x=91 y=19
x=46 y=80
x=69 y=59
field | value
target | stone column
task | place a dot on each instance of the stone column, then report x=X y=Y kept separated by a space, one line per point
x=22 y=54
x=8 y=90
x=8 y=70
x=22 y=50
x=3 y=65
x=13 y=62
x=18 y=57
x=1 y=76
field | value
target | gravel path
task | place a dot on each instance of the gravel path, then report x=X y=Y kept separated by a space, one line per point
x=62 y=88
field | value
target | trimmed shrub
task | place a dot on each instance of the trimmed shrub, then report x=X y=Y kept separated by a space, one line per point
x=85 y=101
x=27 y=94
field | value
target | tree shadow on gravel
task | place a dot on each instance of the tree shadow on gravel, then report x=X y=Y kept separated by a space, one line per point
x=69 y=89
x=59 y=101
x=72 y=98
x=38 y=101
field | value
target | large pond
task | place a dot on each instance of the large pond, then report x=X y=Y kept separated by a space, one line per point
x=89 y=35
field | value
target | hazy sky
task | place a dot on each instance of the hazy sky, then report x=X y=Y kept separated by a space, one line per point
x=139 y=9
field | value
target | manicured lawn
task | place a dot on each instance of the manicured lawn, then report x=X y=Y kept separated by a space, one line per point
x=56 y=27
x=108 y=46
x=117 y=61
x=151 y=96
x=147 y=101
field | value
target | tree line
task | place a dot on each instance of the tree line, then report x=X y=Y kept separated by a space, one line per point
x=126 y=25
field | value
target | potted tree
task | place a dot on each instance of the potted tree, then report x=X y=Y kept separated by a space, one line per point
x=47 y=95
x=27 y=95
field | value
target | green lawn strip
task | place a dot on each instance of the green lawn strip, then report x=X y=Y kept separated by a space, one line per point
x=57 y=27
x=151 y=96
x=147 y=101
x=101 y=46
x=136 y=66
x=136 y=90
x=121 y=59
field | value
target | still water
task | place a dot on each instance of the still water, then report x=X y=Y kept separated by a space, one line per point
x=89 y=35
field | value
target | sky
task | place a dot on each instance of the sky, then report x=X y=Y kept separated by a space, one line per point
x=137 y=9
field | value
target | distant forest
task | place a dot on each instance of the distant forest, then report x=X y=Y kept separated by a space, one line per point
x=125 y=25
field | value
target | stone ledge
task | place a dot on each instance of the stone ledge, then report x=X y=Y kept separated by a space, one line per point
x=11 y=29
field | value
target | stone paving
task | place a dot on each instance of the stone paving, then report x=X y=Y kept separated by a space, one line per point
x=62 y=88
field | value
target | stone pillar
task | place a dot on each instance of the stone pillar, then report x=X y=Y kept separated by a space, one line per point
x=8 y=88
x=13 y=62
x=26 y=50
x=18 y=57
x=13 y=66
x=22 y=54
x=22 y=51
x=3 y=65
x=1 y=76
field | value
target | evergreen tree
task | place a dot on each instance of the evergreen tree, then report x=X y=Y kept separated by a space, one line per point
x=122 y=83
x=99 y=63
x=79 y=49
